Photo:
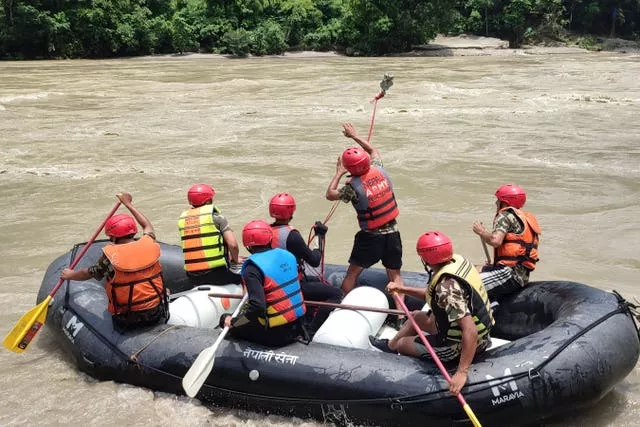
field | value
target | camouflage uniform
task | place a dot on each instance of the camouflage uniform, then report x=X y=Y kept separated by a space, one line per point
x=101 y=268
x=500 y=280
x=455 y=302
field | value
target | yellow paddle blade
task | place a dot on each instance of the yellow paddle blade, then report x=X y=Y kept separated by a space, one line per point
x=471 y=415
x=27 y=327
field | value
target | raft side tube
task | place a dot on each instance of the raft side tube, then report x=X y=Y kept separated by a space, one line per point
x=351 y=328
x=197 y=309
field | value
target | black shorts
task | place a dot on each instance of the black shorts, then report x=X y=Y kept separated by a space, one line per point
x=271 y=337
x=369 y=248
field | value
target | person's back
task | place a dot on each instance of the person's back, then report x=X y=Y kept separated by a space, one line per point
x=273 y=313
x=134 y=284
x=457 y=316
x=208 y=243
x=282 y=207
x=515 y=239
x=370 y=191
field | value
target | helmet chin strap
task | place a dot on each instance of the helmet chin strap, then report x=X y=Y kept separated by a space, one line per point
x=428 y=269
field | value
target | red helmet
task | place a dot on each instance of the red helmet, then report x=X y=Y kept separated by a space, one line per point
x=434 y=247
x=356 y=161
x=282 y=206
x=256 y=233
x=199 y=194
x=120 y=225
x=512 y=194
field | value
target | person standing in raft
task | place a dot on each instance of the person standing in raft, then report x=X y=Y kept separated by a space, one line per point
x=209 y=246
x=461 y=319
x=281 y=208
x=515 y=238
x=273 y=314
x=134 y=284
x=371 y=193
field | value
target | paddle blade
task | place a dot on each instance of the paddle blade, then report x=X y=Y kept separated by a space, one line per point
x=199 y=371
x=202 y=366
x=27 y=327
x=471 y=415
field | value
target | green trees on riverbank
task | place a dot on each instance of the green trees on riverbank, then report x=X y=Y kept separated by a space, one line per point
x=107 y=28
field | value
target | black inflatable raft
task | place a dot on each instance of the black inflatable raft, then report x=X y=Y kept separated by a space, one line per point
x=571 y=344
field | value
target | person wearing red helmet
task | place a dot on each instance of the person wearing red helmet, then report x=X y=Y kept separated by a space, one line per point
x=457 y=315
x=134 y=284
x=275 y=308
x=515 y=237
x=209 y=246
x=282 y=207
x=371 y=193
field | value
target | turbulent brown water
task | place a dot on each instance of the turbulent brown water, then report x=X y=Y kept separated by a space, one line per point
x=73 y=133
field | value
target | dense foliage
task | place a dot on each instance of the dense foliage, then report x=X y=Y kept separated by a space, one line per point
x=525 y=20
x=106 y=28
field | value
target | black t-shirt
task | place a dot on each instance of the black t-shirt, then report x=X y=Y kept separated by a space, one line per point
x=299 y=248
x=256 y=306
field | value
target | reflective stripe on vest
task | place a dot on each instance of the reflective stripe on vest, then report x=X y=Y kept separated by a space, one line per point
x=202 y=243
x=376 y=204
x=137 y=283
x=281 y=286
x=520 y=248
x=469 y=279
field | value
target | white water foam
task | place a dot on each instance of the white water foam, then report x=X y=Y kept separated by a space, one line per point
x=27 y=97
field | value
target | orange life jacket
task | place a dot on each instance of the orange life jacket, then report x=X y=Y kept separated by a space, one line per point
x=376 y=204
x=137 y=283
x=520 y=248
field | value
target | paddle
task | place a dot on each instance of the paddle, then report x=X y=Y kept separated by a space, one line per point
x=435 y=358
x=30 y=323
x=486 y=251
x=328 y=304
x=202 y=366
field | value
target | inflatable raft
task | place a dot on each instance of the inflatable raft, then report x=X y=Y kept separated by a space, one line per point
x=570 y=345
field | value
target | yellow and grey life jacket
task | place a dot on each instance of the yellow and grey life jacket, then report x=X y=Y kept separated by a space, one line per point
x=465 y=273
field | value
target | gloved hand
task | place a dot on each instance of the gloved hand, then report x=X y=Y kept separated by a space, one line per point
x=320 y=229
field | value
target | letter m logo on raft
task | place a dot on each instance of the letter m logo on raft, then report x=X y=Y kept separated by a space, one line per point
x=72 y=328
x=502 y=385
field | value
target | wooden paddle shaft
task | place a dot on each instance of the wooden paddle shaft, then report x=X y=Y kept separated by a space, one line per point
x=486 y=251
x=328 y=304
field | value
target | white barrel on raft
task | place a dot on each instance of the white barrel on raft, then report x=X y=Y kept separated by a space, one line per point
x=351 y=328
x=196 y=308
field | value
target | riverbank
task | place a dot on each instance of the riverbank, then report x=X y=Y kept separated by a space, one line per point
x=470 y=45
